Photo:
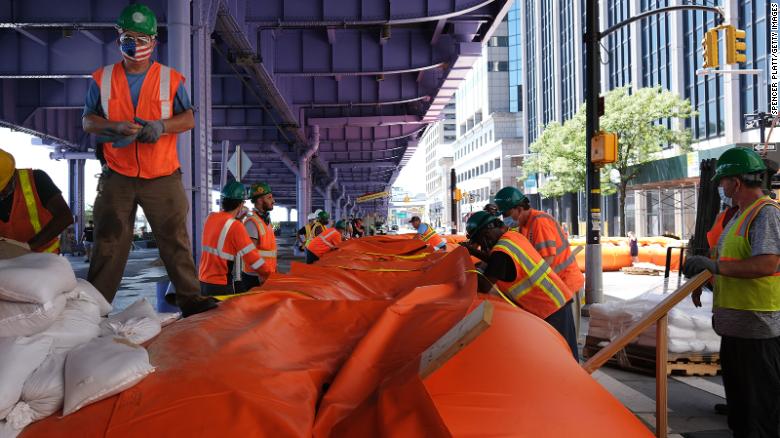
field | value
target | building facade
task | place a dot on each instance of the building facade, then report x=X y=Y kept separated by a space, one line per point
x=662 y=50
x=489 y=135
x=437 y=141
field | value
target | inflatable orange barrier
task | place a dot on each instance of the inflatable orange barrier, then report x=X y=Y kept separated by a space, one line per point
x=329 y=350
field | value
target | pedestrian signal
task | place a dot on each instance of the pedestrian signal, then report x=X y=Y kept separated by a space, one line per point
x=458 y=195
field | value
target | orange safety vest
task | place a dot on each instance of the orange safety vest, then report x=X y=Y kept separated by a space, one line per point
x=539 y=228
x=224 y=239
x=28 y=214
x=432 y=238
x=326 y=241
x=536 y=287
x=713 y=235
x=266 y=243
x=155 y=102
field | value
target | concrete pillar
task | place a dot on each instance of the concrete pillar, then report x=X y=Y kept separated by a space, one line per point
x=731 y=113
x=636 y=46
x=289 y=214
x=337 y=209
x=179 y=58
x=76 y=194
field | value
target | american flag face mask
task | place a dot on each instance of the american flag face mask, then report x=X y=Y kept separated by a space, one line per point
x=136 y=48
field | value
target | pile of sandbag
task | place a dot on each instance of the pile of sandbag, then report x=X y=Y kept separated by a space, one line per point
x=58 y=346
x=690 y=327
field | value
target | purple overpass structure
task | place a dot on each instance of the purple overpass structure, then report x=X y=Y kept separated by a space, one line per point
x=327 y=97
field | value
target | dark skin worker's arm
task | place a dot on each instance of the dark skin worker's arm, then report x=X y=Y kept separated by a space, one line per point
x=94 y=124
x=62 y=218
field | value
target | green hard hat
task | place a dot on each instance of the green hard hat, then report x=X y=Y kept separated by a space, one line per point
x=260 y=189
x=323 y=216
x=738 y=161
x=477 y=222
x=509 y=197
x=138 y=18
x=341 y=225
x=234 y=190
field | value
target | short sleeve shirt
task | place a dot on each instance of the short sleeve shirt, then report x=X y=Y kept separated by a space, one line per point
x=181 y=101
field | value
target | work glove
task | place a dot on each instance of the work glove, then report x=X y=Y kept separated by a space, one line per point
x=151 y=131
x=697 y=264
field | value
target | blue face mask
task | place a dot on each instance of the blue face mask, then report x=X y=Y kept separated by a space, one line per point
x=510 y=222
x=723 y=198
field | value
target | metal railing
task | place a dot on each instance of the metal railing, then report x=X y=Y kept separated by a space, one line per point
x=658 y=315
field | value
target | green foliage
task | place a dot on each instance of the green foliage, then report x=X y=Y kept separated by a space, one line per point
x=560 y=149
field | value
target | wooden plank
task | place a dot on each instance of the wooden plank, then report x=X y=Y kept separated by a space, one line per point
x=661 y=400
x=462 y=334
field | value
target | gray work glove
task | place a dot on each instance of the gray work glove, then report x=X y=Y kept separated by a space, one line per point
x=151 y=131
x=696 y=264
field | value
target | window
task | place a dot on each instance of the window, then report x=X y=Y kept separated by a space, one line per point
x=753 y=19
x=619 y=45
x=704 y=92
x=568 y=94
x=497 y=162
x=498 y=41
x=495 y=66
x=531 y=65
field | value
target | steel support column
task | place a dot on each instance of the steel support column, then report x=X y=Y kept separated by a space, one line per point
x=304 y=177
x=76 y=194
x=179 y=58
x=593 y=277
x=337 y=210
x=329 y=194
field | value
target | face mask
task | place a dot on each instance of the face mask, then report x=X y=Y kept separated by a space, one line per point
x=510 y=222
x=723 y=198
x=136 y=49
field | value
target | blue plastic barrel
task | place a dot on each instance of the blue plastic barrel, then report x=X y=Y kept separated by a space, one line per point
x=165 y=288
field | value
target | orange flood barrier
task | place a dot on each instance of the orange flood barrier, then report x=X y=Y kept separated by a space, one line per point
x=333 y=350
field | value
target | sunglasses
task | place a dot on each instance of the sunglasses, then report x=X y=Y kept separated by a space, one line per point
x=138 y=40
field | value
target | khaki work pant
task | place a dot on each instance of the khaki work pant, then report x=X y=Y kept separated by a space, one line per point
x=165 y=206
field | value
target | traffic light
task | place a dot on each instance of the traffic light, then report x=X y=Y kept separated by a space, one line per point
x=458 y=195
x=735 y=45
x=709 y=46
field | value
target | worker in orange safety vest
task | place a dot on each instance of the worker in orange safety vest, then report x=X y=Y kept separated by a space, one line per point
x=325 y=242
x=428 y=234
x=224 y=240
x=520 y=273
x=258 y=226
x=32 y=209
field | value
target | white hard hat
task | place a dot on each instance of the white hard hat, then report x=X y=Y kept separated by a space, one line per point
x=317 y=212
x=311 y=216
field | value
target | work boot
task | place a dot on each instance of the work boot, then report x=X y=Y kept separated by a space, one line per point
x=199 y=305
x=722 y=409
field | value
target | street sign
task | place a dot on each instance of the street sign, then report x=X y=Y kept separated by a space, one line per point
x=771 y=147
x=402 y=214
x=246 y=163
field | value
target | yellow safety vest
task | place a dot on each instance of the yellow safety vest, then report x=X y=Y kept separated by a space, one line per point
x=756 y=294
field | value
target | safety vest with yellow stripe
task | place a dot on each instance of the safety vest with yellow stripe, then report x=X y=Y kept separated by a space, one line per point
x=28 y=214
x=327 y=241
x=756 y=294
x=564 y=262
x=224 y=240
x=266 y=242
x=311 y=232
x=536 y=287
x=432 y=238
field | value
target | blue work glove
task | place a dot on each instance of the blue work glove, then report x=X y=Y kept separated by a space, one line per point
x=696 y=264
x=151 y=131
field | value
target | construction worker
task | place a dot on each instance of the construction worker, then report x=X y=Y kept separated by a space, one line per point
x=357 y=228
x=746 y=301
x=544 y=232
x=516 y=269
x=428 y=234
x=492 y=209
x=225 y=239
x=326 y=241
x=32 y=209
x=304 y=231
x=137 y=107
x=258 y=226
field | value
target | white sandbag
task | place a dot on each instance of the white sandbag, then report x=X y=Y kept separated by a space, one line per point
x=139 y=309
x=85 y=287
x=681 y=334
x=19 y=357
x=44 y=390
x=101 y=368
x=27 y=319
x=167 y=319
x=77 y=324
x=35 y=278
x=7 y=431
x=135 y=330
x=20 y=416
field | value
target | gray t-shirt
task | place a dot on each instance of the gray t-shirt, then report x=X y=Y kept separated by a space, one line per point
x=764 y=235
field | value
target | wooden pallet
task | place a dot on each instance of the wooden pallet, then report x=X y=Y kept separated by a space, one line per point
x=641 y=359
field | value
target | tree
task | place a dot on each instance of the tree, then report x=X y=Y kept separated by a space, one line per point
x=637 y=118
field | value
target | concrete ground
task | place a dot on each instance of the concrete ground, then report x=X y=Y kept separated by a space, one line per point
x=691 y=399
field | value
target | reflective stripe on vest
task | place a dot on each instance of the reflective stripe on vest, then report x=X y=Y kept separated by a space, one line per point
x=430 y=232
x=538 y=274
x=551 y=243
x=755 y=294
x=324 y=238
x=32 y=208
x=166 y=109
x=219 y=250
